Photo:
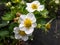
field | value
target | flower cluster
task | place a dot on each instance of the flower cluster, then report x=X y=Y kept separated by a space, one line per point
x=27 y=17
x=26 y=26
x=28 y=22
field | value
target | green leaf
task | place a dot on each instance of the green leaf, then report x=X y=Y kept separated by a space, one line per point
x=8 y=16
x=11 y=26
x=42 y=1
x=44 y=13
x=41 y=21
x=4 y=23
x=4 y=33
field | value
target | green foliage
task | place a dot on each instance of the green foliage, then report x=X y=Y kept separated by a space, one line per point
x=4 y=34
x=8 y=16
x=42 y=1
x=4 y=23
x=44 y=13
x=11 y=26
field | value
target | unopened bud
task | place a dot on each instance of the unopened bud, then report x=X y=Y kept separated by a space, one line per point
x=16 y=19
x=22 y=2
x=8 y=4
x=39 y=26
x=12 y=7
x=18 y=14
x=57 y=1
x=48 y=25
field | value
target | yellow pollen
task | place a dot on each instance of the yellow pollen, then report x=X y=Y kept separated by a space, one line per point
x=22 y=33
x=27 y=23
x=34 y=6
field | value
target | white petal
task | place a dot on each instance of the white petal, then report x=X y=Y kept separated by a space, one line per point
x=25 y=38
x=16 y=30
x=31 y=16
x=22 y=17
x=29 y=31
x=17 y=36
x=40 y=8
x=29 y=9
x=34 y=25
x=21 y=27
x=36 y=2
x=28 y=4
x=29 y=34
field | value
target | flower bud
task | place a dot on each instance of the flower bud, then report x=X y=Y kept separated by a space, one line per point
x=23 y=2
x=8 y=4
x=12 y=7
x=57 y=1
x=39 y=26
x=18 y=14
x=16 y=19
x=48 y=26
x=16 y=1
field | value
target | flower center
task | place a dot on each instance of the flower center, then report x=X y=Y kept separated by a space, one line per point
x=27 y=23
x=34 y=6
x=22 y=33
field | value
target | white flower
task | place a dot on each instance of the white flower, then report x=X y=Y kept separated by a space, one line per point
x=35 y=5
x=27 y=23
x=20 y=34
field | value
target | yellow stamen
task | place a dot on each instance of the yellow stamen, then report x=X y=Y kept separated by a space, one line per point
x=22 y=33
x=27 y=23
x=34 y=6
